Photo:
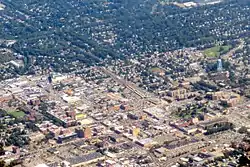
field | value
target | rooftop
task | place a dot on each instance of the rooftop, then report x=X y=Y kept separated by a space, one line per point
x=84 y=158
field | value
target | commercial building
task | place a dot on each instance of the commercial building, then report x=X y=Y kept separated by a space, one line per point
x=227 y=98
x=148 y=142
x=87 y=133
x=66 y=138
x=36 y=136
x=209 y=124
x=84 y=132
x=83 y=160
x=179 y=93
x=65 y=120
x=42 y=165
x=135 y=132
x=155 y=112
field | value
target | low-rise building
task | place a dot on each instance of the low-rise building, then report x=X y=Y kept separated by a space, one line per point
x=148 y=142
x=83 y=160
x=227 y=98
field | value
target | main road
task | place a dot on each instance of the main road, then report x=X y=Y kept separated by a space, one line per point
x=123 y=82
x=232 y=51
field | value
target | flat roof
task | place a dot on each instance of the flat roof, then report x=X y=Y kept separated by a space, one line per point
x=217 y=120
x=84 y=158
x=42 y=165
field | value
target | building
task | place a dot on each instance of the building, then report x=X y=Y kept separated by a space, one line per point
x=71 y=114
x=84 y=132
x=2 y=6
x=220 y=76
x=16 y=150
x=135 y=132
x=80 y=132
x=5 y=96
x=80 y=116
x=65 y=120
x=165 y=138
x=69 y=92
x=227 y=98
x=231 y=101
x=217 y=95
x=190 y=129
x=71 y=99
x=53 y=150
x=214 y=123
x=66 y=138
x=190 y=4
x=116 y=138
x=83 y=160
x=179 y=93
x=36 y=137
x=87 y=133
x=148 y=142
x=42 y=165
x=16 y=63
x=155 y=112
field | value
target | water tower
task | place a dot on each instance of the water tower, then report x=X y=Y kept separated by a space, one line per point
x=219 y=65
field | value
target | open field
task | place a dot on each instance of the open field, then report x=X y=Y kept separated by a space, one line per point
x=217 y=50
x=17 y=114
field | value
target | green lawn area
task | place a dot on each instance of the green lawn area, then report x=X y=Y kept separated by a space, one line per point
x=217 y=50
x=17 y=114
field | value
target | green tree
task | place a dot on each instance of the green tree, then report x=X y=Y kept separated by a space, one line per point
x=2 y=151
x=43 y=107
x=242 y=130
x=2 y=163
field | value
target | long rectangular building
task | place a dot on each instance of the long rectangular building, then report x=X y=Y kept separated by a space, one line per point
x=83 y=160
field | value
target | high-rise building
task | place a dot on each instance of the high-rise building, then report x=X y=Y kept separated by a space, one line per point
x=80 y=132
x=87 y=133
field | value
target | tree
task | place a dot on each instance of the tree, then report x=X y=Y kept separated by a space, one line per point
x=49 y=136
x=43 y=107
x=32 y=126
x=14 y=163
x=2 y=151
x=2 y=163
x=242 y=130
x=201 y=117
x=244 y=161
x=10 y=103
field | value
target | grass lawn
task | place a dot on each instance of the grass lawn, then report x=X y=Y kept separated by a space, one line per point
x=17 y=114
x=188 y=116
x=217 y=50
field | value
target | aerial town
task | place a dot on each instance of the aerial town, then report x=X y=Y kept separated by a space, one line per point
x=182 y=107
x=130 y=114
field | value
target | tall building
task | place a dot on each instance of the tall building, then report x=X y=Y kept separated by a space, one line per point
x=87 y=133
x=179 y=93
x=50 y=78
x=80 y=132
